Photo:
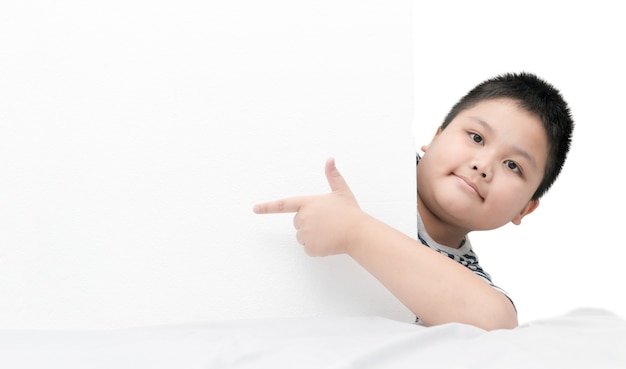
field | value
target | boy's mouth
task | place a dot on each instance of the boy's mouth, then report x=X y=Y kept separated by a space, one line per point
x=471 y=186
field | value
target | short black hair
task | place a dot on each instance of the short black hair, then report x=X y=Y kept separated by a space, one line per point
x=538 y=97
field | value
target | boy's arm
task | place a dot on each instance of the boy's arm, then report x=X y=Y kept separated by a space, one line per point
x=434 y=287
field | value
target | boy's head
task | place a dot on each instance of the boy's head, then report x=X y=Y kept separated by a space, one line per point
x=537 y=97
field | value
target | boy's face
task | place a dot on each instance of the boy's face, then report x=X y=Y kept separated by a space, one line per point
x=481 y=171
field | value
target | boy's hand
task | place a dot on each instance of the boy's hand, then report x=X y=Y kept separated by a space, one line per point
x=325 y=224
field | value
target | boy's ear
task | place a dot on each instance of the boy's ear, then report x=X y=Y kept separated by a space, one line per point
x=425 y=147
x=529 y=208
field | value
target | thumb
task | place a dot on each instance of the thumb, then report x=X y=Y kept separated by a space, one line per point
x=335 y=179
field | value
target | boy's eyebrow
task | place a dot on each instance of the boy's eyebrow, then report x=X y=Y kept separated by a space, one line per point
x=517 y=149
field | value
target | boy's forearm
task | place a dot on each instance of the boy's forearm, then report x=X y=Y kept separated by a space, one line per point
x=434 y=287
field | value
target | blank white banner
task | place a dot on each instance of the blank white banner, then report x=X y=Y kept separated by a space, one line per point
x=135 y=136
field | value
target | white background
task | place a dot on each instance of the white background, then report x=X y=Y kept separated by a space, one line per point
x=571 y=251
x=135 y=137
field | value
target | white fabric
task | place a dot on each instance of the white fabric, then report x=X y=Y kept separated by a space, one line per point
x=584 y=338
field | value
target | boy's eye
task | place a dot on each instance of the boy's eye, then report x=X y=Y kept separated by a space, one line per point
x=476 y=137
x=512 y=165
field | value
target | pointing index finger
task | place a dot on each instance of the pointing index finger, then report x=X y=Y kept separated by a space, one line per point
x=288 y=205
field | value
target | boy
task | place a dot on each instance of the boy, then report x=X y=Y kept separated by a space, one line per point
x=498 y=151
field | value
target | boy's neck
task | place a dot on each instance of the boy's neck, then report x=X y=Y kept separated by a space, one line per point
x=441 y=232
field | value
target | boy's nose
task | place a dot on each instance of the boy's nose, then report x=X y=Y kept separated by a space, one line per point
x=482 y=172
